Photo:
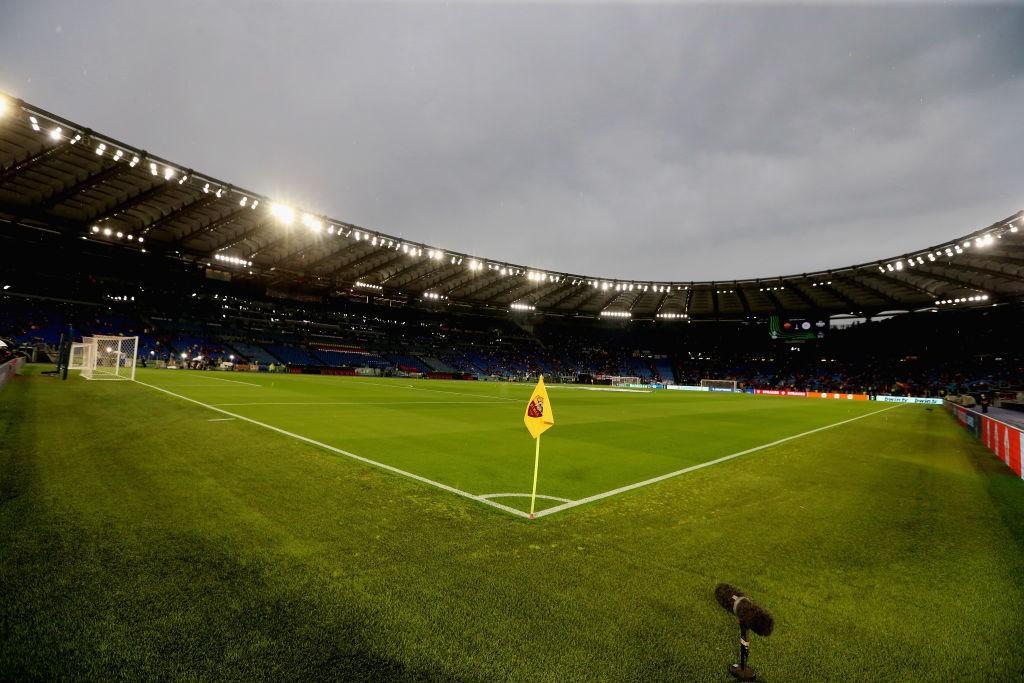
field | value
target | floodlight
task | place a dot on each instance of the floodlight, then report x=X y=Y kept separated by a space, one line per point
x=285 y=214
x=312 y=222
x=95 y=228
x=3 y=106
x=55 y=133
x=168 y=173
x=107 y=232
x=100 y=149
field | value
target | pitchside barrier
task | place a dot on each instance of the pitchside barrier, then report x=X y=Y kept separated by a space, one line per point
x=10 y=369
x=839 y=396
x=1006 y=441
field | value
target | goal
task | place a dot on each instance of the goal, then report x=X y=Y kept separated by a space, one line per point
x=104 y=357
x=719 y=384
x=618 y=380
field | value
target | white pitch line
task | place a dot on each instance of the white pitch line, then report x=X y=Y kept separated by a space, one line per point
x=663 y=477
x=221 y=419
x=320 y=444
x=526 y=495
x=221 y=379
x=361 y=403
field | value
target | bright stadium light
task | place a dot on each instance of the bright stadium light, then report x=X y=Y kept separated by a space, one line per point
x=107 y=232
x=284 y=214
x=312 y=222
x=4 y=107
x=55 y=133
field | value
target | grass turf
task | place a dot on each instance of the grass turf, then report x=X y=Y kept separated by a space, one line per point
x=471 y=435
x=137 y=539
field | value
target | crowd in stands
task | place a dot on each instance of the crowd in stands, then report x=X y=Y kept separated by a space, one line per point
x=184 y=318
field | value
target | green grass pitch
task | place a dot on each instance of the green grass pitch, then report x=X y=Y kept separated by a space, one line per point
x=145 y=535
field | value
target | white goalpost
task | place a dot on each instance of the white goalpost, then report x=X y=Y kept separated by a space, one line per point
x=105 y=357
x=719 y=384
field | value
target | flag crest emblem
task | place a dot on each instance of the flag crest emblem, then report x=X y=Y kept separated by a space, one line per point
x=536 y=407
x=539 y=415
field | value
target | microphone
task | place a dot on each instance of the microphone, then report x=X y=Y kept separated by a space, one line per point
x=750 y=614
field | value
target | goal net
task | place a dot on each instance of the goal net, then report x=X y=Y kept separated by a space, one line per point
x=104 y=357
x=719 y=384
x=76 y=359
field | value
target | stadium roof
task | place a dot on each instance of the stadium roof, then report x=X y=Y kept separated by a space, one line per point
x=59 y=176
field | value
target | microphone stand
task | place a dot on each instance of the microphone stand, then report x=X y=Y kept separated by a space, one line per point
x=741 y=671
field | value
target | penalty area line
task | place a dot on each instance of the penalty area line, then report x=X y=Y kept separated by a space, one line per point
x=347 y=454
x=709 y=463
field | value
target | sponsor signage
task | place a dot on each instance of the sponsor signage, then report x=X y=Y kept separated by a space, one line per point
x=1006 y=441
x=686 y=387
x=909 y=399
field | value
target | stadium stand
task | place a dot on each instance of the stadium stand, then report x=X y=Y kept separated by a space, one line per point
x=195 y=266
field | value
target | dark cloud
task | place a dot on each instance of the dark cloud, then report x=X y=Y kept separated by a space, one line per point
x=653 y=141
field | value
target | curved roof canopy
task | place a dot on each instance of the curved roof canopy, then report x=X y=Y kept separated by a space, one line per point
x=58 y=175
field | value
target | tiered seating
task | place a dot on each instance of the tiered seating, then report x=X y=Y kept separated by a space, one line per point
x=350 y=359
x=293 y=355
x=408 y=363
x=253 y=353
x=664 y=369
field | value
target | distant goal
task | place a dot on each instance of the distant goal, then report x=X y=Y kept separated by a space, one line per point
x=618 y=380
x=719 y=384
x=105 y=357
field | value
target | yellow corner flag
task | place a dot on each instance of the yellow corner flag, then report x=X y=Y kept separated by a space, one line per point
x=539 y=418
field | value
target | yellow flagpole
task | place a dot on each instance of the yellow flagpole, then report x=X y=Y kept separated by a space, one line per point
x=536 y=467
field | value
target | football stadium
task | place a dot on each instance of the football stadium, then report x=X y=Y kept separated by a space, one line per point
x=241 y=438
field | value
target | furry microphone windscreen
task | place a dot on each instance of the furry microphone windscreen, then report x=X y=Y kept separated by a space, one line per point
x=750 y=614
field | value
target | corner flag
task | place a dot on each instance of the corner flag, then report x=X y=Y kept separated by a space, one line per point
x=539 y=418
